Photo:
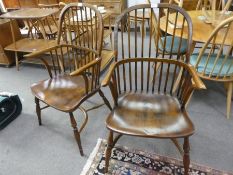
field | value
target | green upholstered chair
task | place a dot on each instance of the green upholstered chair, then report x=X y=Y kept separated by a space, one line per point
x=214 y=61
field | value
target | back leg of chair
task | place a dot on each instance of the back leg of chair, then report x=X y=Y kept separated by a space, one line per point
x=38 y=110
x=105 y=99
x=108 y=150
x=229 y=96
x=186 y=159
x=76 y=133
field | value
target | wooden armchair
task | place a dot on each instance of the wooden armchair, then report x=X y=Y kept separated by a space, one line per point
x=74 y=73
x=214 y=61
x=150 y=109
x=155 y=41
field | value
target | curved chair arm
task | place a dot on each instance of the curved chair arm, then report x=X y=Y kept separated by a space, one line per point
x=85 y=67
x=107 y=78
x=54 y=52
x=197 y=82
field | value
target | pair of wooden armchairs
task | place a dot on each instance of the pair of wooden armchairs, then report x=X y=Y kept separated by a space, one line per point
x=149 y=92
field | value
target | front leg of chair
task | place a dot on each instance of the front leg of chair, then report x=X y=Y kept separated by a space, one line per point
x=186 y=159
x=76 y=133
x=108 y=150
x=38 y=110
x=105 y=100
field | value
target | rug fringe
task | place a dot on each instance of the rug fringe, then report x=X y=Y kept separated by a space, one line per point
x=91 y=157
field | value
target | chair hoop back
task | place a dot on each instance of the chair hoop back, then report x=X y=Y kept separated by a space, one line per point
x=153 y=41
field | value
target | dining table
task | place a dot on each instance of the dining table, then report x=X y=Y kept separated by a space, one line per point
x=29 y=44
x=202 y=29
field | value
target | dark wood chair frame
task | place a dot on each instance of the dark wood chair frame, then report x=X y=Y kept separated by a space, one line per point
x=185 y=77
x=120 y=84
x=72 y=61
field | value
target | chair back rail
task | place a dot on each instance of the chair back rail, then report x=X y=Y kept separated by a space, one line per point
x=153 y=41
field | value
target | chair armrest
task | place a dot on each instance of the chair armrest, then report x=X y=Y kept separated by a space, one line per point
x=107 y=78
x=197 y=82
x=85 y=67
x=41 y=52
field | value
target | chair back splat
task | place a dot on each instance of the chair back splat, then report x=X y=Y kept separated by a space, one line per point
x=154 y=40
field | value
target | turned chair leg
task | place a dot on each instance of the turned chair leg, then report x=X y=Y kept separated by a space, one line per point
x=76 y=133
x=105 y=99
x=186 y=159
x=108 y=150
x=38 y=110
x=229 y=96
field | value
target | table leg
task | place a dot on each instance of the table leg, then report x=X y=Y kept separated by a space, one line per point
x=13 y=37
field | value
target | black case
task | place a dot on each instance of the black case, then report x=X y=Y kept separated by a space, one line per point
x=10 y=108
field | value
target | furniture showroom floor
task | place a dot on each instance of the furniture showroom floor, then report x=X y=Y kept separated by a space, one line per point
x=29 y=149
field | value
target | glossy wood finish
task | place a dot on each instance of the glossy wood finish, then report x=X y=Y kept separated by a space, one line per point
x=85 y=31
x=215 y=49
x=146 y=104
x=73 y=75
x=153 y=42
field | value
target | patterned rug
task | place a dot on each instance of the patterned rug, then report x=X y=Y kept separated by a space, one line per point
x=125 y=161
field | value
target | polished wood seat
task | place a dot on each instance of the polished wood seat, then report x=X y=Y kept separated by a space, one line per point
x=149 y=115
x=63 y=92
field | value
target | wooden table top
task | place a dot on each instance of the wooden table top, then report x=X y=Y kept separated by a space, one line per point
x=28 y=45
x=201 y=30
x=29 y=13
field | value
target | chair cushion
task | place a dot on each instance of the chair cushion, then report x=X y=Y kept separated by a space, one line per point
x=62 y=92
x=201 y=65
x=149 y=116
x=176 y=43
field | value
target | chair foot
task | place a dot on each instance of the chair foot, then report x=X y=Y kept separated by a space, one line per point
x=76 y=133
x=108 y=150
x=105 y=99
x=186 y=158
x=38 y=110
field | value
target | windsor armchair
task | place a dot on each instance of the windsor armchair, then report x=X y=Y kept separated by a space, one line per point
x=74 y=73
x=142 y=84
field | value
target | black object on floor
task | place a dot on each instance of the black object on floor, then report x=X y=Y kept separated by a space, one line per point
x=10 y=108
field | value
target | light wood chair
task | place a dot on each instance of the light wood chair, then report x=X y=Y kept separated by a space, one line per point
x=150 y=110
x=74 y=73
x=214 y=61
x=155 y=42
